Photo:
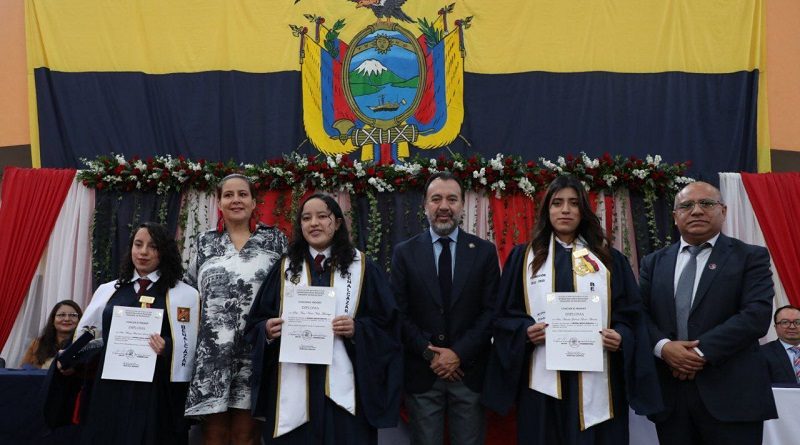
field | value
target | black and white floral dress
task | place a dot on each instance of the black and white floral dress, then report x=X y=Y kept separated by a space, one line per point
x=228 y=280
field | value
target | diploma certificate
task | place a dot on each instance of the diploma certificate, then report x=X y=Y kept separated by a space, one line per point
x=573 y=341
x=128 y=352
x=307 y=332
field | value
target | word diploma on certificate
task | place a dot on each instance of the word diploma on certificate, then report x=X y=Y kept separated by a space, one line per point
x=307 y=333
x=128 y=352
x=573 y=341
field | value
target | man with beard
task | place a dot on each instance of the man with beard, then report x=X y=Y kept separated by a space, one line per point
x=445 y=282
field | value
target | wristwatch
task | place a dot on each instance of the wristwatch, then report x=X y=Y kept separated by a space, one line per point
x=427 y=354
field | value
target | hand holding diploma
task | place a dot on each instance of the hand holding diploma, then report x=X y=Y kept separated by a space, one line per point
x=158 y=343
x=344 y=326
x=611 y=340
x=273 y=328
x=537 y=333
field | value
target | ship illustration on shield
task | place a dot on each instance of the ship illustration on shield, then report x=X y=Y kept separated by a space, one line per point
x=386 y=88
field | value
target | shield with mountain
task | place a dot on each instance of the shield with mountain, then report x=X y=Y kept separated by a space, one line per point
x=380 y=89
x=386 y=89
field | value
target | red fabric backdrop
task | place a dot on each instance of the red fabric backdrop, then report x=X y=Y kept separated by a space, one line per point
x=513 y=218
x=32 y=200
x=776 y=202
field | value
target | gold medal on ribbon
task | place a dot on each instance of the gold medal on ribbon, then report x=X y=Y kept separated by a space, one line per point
x=580 y=264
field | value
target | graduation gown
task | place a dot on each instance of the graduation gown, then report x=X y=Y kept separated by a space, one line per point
x=544 y=419
x=124 y=412
x=374 y=351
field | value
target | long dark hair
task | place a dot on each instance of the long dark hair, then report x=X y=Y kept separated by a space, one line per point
x=589 y=228
x=169 y=259
x=48 y=342
x=342 y=250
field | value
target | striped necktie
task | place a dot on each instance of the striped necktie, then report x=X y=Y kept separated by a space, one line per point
x=796 y=362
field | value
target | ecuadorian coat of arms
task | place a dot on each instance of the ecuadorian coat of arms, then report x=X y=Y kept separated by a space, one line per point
x=389 y=87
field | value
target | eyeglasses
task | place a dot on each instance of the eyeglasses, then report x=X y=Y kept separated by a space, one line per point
x=705 y=204
x=786 y=323
x=73 y=315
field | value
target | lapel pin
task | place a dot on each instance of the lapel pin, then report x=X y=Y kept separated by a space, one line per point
x=712 y=266
x=471 y=245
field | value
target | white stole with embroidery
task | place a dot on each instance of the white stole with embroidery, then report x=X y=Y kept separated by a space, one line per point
x=292 y=399
x=595 y=390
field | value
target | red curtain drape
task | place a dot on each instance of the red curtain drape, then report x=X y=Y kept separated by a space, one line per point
x=775 y=198
x=513 y=218
x=274 y=207
x=31 y=202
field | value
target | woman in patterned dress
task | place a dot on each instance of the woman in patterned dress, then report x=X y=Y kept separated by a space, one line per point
x=230 y=265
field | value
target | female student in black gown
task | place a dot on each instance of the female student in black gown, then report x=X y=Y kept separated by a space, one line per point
x=365 y=328
x=128 y=412
x=567 y=226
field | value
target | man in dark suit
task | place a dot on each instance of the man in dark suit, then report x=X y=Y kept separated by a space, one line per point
x=445 y=282
x=783 y=354
x=709 y=300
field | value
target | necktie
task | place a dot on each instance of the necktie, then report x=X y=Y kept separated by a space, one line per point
x=684 y=291
x=445 y=271
x=318 y=262
x=143 y=283
x=796 y=362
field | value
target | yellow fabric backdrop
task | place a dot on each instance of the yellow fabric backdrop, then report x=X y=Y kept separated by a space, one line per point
x=507 y=36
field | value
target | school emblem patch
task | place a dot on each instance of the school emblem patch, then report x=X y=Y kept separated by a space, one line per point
x=387 y=87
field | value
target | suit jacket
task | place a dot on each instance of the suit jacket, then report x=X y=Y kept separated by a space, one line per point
x=732 y=309
x=465 y=326
x=780 y=366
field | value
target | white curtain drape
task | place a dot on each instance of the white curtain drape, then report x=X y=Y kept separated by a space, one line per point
x=741 y=223
x=64 y=272
x=201 y=215
x=476 y=215
x=624 y=234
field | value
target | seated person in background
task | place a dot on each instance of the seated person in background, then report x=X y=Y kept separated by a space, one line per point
x=56 y=335
x=783 y=354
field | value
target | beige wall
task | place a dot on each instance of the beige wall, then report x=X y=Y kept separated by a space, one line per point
x=783 y=74
x=13 y=83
